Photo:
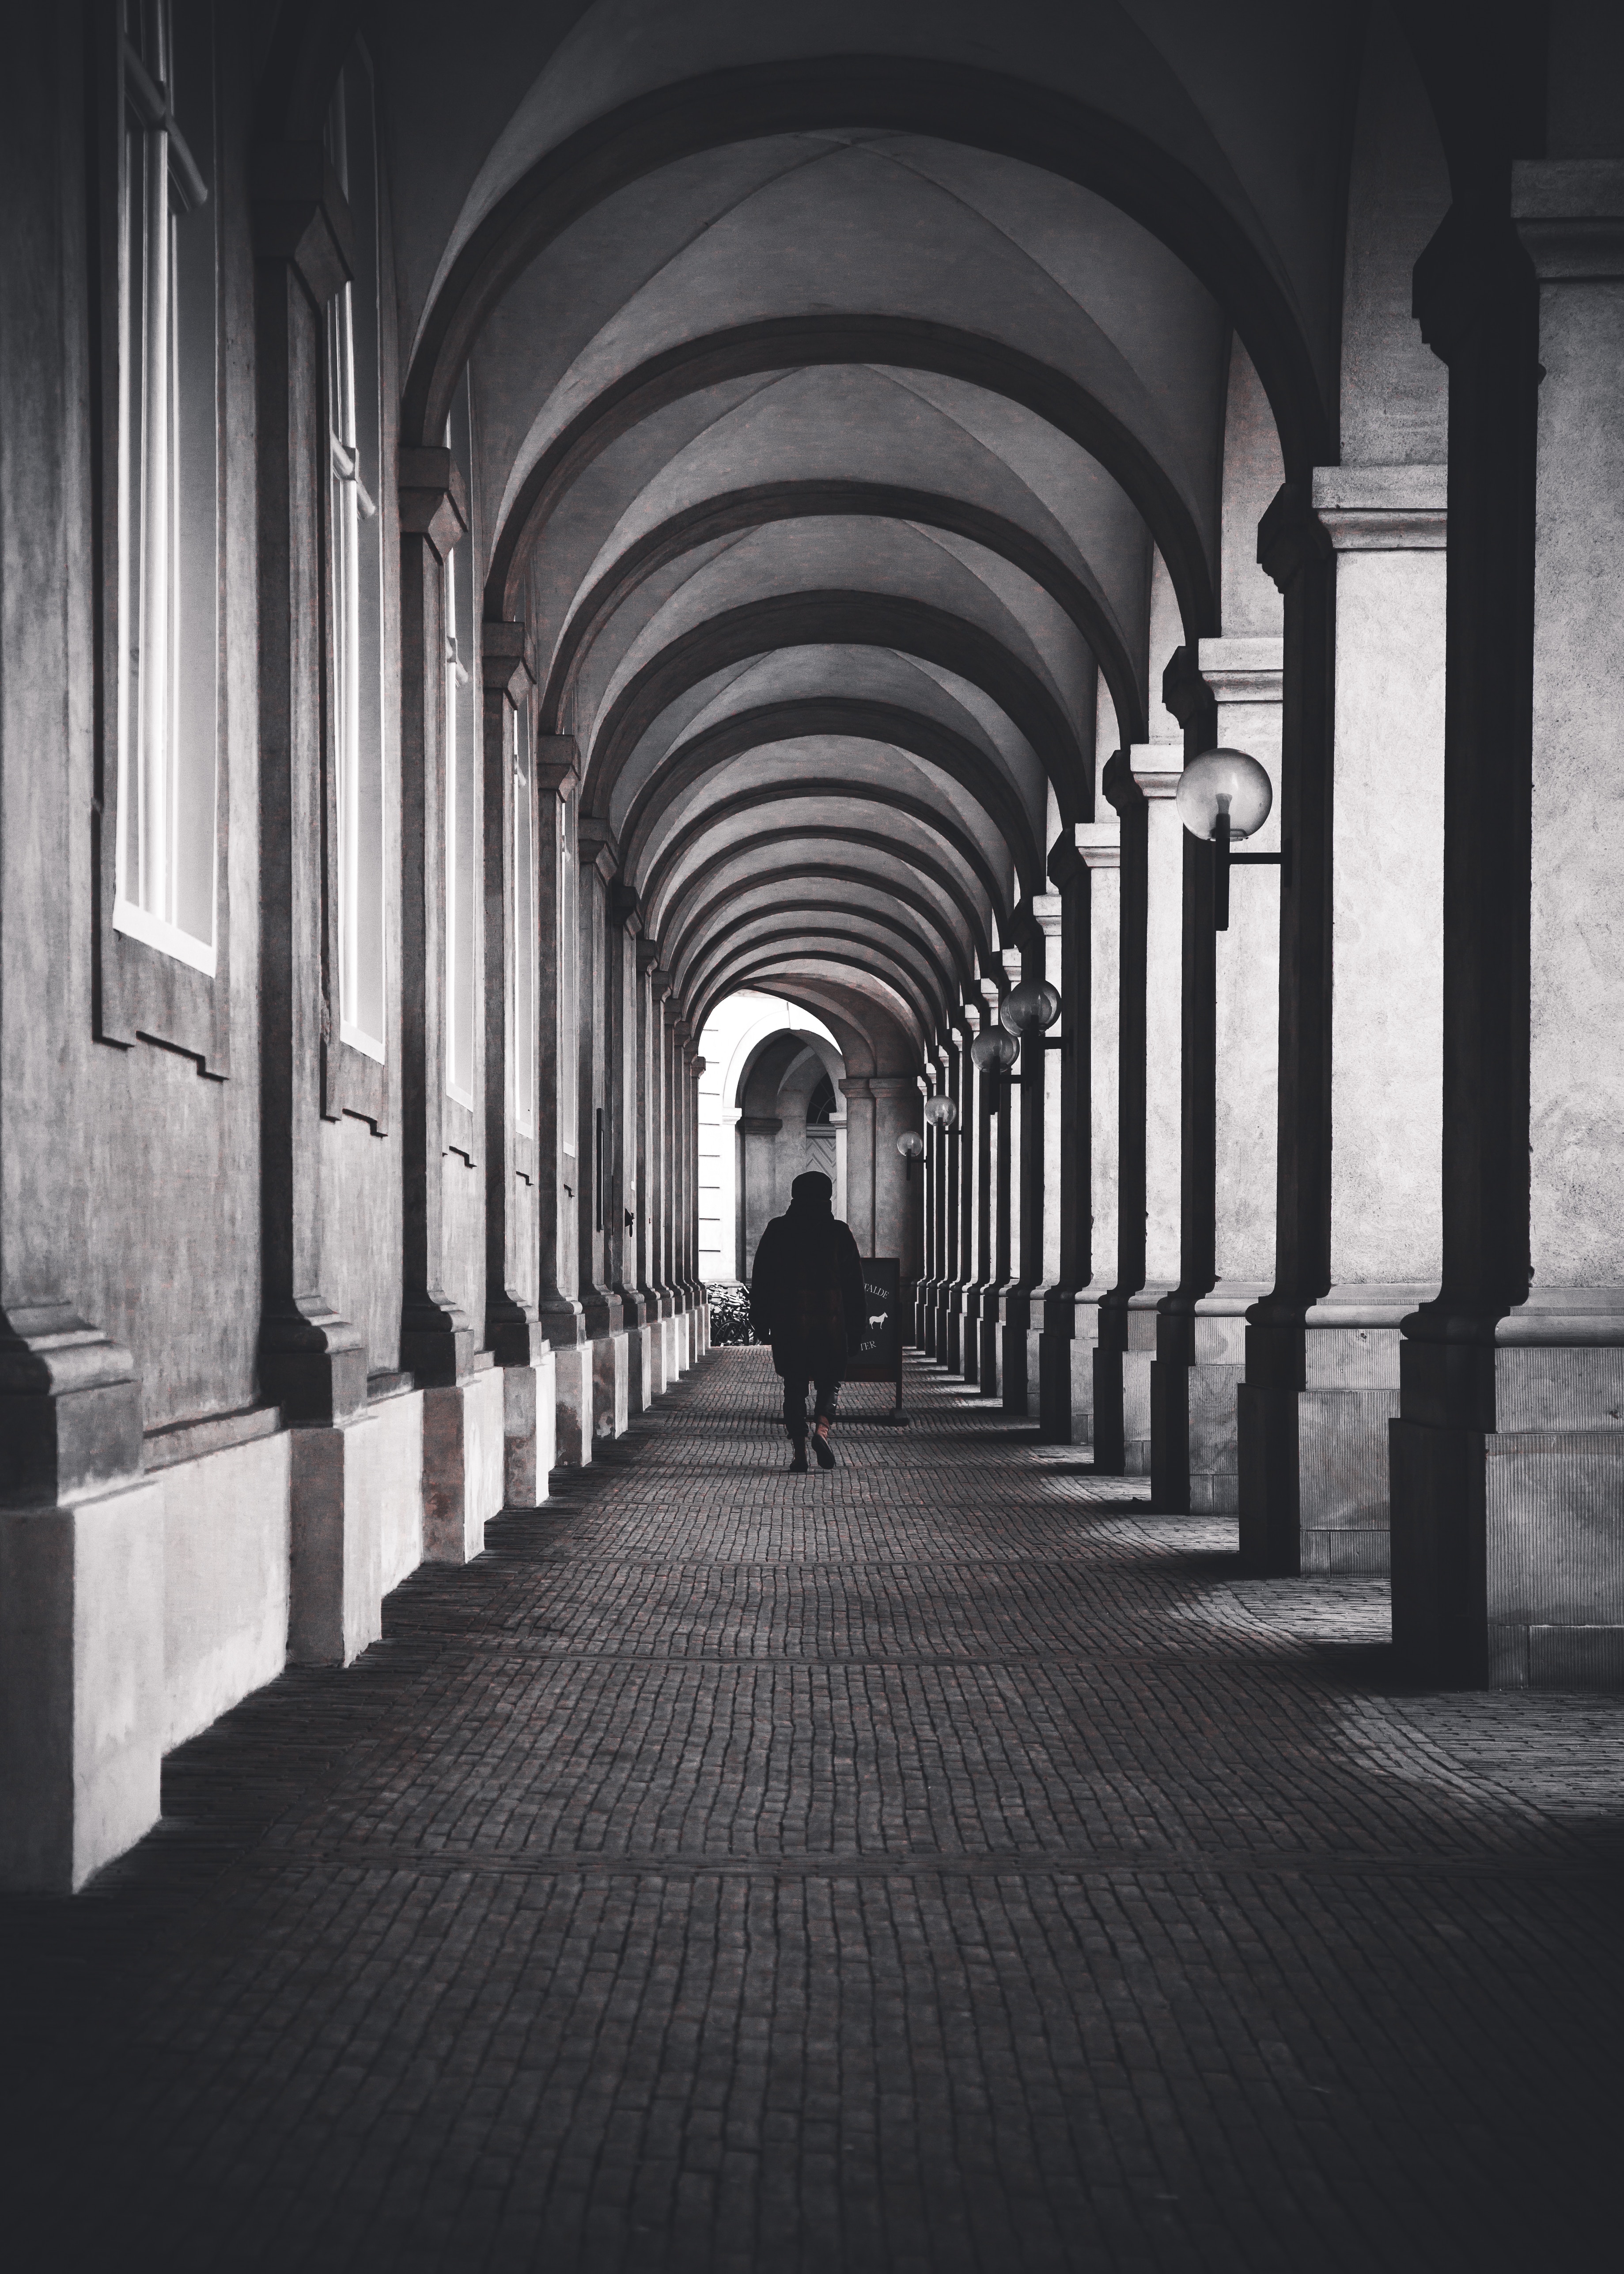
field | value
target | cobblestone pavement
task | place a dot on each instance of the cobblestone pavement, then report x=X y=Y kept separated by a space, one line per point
x=941 y=1865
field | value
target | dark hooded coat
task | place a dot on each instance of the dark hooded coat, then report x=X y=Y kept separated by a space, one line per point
x=806 y=1291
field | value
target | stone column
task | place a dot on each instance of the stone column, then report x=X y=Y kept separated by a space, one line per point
x=436 y=1339
x=702 y=1308
x=951 y=1347
x=557 y=1168
x=1322 y=1373
x=858 y=1092
x=82 y=1701
x=1097 y=848
x=313 y=1363
x=1016 y=1386
x=980 y=1292
x=1062 y=916
x=936 y=1169
x=927 y=1224
x=514 y=1334
x=1508 y=1457
x=647 y=957
x=1230 y=1190
x=1152 y=1089
x=757 y=1159
x=896 y=1192
x=981 y=1295
x=623 y=1203
x=962 y=1156
x=603 y=1312
x=996 y=1185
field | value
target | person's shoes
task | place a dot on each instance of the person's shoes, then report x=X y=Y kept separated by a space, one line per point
x=798 y=1462
x=824 y=1450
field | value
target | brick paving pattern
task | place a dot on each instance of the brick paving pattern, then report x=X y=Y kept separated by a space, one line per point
x=943 y=1864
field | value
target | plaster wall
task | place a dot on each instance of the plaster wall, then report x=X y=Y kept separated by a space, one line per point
x=225 y=1581
x=1576 y=1040
x=166 y=1198
x=1387 y=1054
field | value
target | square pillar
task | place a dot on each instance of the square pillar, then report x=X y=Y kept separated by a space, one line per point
x=1507 y=1474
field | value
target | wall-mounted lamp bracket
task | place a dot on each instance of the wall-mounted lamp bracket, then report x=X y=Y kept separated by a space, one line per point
x=1223 y=860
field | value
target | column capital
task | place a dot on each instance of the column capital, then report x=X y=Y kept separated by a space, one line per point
x=1242 y=670
x=508 y=659
x=893 y=1085
x=1157 y=767
x=1383 y=508
x=433 y=499
x=758 y=1125
x=1048 y=910
x=558 y=763
x=301 y=216
x=595 y=842
x=855 y=1085
x=1099 y=843
x=1570 y=215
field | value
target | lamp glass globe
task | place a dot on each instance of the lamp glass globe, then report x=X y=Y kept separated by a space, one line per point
x=1027 y=1009
x=911 y=1145
x=995 y=1051
x=1207 y=781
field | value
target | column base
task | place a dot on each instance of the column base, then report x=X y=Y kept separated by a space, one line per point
x=355 y=1526
x=1014 y=1330
x=986 y=1335
x=529 y=1424
x=464 y=1441
x=572 y=1408
x=611 y=1386
x=81 y=1685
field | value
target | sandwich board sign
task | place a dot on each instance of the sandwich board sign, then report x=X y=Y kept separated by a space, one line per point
x=878 y=1357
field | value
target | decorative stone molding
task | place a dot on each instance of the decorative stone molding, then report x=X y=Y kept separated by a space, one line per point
x=302 y=216
x=558 y=764
x=1157 y=768
x=1570 y=215
x=595 y=841
x=1099 y=843
x=508 y=659
x=1242 y=670
x=1383 y=508
x=433 y=499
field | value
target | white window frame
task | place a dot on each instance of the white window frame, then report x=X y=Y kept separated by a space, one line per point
x=355 y=615
x=167 y=718
x=461 y=818
x=524 y=943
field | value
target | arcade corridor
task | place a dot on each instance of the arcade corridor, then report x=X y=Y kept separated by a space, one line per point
x=946 y=1863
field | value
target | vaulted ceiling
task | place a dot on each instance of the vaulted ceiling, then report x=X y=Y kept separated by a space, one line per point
x=845 y=381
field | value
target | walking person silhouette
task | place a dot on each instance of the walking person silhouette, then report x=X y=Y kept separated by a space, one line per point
x=807 y=1300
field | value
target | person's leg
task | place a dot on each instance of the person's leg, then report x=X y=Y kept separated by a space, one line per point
x=828 y=1394
x=795 y=1387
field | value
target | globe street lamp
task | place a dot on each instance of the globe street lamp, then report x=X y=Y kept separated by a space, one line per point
x=911 y=1145
x=1225 y=797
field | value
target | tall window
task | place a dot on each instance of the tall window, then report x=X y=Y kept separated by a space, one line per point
x=524 y=929
x=355 y=578
x=168 y=499
x=462 y=788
